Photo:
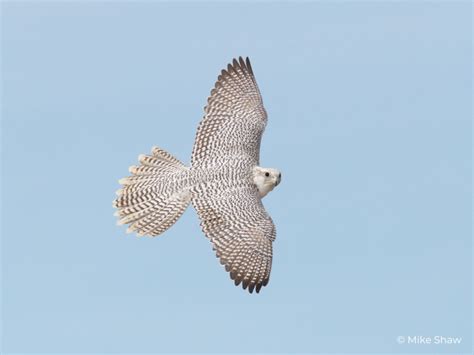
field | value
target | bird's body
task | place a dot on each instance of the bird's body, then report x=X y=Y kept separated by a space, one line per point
x=224 y=183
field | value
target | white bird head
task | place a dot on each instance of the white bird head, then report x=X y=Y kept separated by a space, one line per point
x=266 y=179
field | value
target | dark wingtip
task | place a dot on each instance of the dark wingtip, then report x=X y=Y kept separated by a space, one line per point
x=242 y=63
x=249 y=67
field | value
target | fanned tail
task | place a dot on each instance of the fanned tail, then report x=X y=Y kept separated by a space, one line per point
x=156 y=194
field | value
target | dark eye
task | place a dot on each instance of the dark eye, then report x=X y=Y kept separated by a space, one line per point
x=267 y=174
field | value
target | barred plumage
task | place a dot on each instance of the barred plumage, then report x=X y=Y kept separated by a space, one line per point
x=224 y=183
x=155 y=196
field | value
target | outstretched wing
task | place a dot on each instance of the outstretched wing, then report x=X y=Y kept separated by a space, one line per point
x=240 y=230
x=234 y=119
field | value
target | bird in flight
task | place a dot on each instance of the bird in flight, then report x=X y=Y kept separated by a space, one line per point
x=225 y=182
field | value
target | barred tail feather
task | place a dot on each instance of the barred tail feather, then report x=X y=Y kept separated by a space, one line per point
x=156 y=194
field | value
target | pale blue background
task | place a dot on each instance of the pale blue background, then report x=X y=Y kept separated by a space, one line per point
x=369 y=121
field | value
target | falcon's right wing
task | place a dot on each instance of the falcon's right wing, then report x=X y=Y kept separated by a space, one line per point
x=234 y=119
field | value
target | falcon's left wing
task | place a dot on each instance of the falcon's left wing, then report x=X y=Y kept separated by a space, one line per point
x=241 y=232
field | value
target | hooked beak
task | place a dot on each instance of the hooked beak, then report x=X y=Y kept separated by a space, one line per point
x=278 y=180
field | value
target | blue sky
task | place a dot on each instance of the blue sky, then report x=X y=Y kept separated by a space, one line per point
x=369 y=109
